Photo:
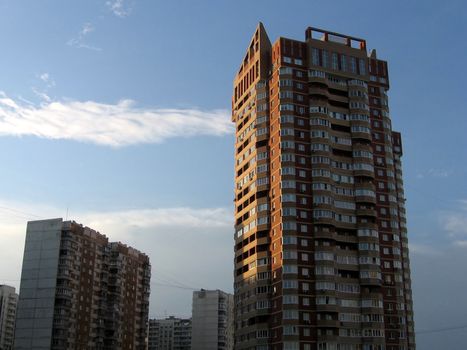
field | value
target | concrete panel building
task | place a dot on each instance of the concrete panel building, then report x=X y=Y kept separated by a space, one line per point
x=212 y=320
x=78 y=291
x=321 y=249
x=171 y=333
x=8 y=303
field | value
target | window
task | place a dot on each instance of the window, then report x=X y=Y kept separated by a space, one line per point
x=288 y=184
x=315 y=56
x=290 y=299
x=343 y=63
x=290 y=269
x=289 y=284
x=287 y=145
x=335 y=61
x=289 y=240
x=287 y=119
x=353 y=65
x=362 y=66
x=287 y=197
x=290 y=254
x=325 y=58
x=290 y=315
x=290 y=345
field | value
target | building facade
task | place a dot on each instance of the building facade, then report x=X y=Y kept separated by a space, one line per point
x=171 y=333
x=79 y=291
x=8 y=302
x=212 y=320
x=321 y=251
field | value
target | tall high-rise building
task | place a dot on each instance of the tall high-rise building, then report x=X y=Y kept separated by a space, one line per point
x=8 y=302
x=78 y=291
x=321 y=254
x=171 y=333
x=212 y=320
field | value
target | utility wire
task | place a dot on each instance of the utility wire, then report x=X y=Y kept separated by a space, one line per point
x=19 y=211
x=172 y=286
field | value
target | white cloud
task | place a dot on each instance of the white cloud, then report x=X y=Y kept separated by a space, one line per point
x=455 y=223
x=42 y=95
x=44 y=77
x=439 y=283
x=461 y=243
x=435 y=173
x=115 y=125
x=121 y=222
x=119 y=8
x=47 y=79
x=80 y=41
x=421 y=249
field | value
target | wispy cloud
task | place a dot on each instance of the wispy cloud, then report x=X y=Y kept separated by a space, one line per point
x=80 y=41
x=47 y=79
x=435 y=173
x=454 y=223
x=47 y=82
x=422 y=249
x=119 y=8
x=184 y=218
x=114 y=125
x=41 y=94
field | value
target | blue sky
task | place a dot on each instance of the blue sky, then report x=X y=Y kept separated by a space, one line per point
x=118 y=111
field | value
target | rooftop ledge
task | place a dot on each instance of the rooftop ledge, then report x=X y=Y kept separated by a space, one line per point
x=325 y=35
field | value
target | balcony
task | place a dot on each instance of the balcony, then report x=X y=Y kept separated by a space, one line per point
x=317 y=76
x=328 y=323
x=319 y=90
x=366 y=212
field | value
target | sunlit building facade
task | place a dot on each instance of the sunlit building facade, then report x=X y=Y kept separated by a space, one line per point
x=80 y=291
x=321 y=250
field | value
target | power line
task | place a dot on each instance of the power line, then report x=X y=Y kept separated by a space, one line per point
x=20 y=212
x=169 y=278
x=172 y=286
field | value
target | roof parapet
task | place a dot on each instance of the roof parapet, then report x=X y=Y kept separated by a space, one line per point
x=325 y=35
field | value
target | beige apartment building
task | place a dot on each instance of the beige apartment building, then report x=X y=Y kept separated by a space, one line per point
x=170 y=333
x=321 y=250
x=212 y=320
x=79 y=291
x=8 y=303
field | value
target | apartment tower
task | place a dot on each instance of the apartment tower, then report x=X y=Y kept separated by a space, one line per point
x=212 y=320
x=321 y=254
x=8 y=302
x=79 y=291
x=171 y=333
